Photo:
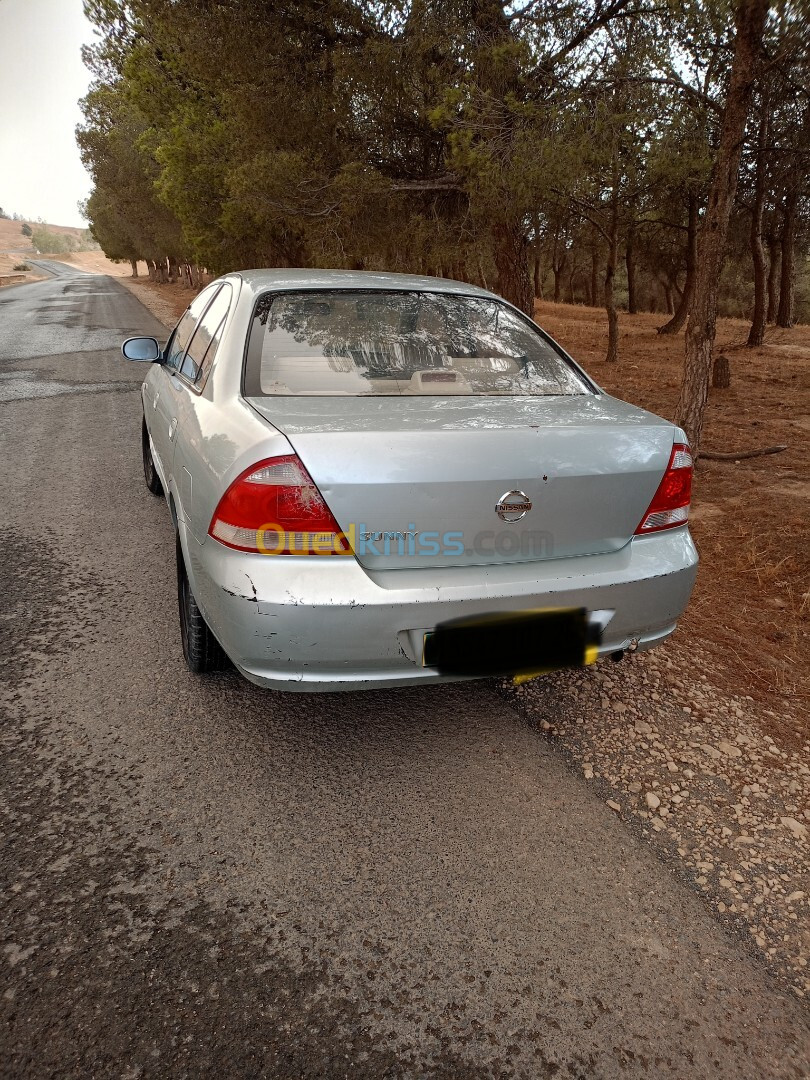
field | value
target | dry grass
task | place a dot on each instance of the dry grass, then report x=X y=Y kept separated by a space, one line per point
x=15 y=248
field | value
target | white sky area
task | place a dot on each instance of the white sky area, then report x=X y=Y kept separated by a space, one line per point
x=42 y=78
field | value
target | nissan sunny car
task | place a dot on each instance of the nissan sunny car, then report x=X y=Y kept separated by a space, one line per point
x=384 y=480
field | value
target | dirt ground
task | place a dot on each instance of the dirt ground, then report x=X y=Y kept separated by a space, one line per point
x=96 y=262
x=14 y=249
x=751 y=606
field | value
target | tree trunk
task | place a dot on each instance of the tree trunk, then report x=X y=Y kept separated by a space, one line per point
x=512 y=263
x=756 y=335
x=172 y=269
x=610 y=268
x=559 y=268
x=497 y=70
x=482 y=277
x=630 y=263
x=784 y=316
x=680 y=314
x=721 y=373
x=773 y=274
x=610 y=306
x=134 y=264
x=594 y=297
x=538 y=279
x=749 y=21
x=669 y=303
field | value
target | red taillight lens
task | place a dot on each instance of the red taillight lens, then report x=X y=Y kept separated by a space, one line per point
x=670 y=505
x=275 y=508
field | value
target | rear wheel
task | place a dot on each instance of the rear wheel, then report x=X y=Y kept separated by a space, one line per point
x=201 y=649
x=149 y=470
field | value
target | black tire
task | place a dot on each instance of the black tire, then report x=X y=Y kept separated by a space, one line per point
x=149 y=470
x=202 y=651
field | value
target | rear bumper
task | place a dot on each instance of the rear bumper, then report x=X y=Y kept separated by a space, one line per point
x=324 y=623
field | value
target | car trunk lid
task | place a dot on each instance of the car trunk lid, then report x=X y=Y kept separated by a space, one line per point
x=448 y=481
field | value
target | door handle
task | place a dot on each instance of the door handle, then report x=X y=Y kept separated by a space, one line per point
x=172 y=427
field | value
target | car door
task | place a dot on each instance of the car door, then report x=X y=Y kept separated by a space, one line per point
x=162 y=423
x=190 y=381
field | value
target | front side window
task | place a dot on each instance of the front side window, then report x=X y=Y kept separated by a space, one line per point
x=178 y=342
x=400 y=344
x=203 y=346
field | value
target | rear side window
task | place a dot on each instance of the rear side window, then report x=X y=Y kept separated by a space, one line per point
x=344 y=342
x=178 y=342
x=202 y=349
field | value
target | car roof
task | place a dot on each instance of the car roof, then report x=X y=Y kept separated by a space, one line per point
x=282 y=279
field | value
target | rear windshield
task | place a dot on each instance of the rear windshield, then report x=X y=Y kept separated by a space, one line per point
x=399 y=344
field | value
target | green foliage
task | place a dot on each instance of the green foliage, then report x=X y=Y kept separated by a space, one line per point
x=49 y=242
x=457 y=138
x=52 y=243
x=26 y=229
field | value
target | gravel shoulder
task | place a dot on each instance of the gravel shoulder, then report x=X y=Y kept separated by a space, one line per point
x=690 y=767
x=166 y=302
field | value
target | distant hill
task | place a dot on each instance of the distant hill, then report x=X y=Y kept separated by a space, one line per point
x=53 y=239
x=18 y=250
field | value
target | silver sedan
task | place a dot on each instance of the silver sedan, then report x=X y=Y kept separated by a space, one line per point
x=380 y=479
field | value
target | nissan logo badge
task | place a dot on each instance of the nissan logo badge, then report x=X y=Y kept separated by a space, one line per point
x=513 y=505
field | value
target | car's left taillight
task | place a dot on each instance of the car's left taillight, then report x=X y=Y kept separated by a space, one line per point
x=274 y=508
x=670 y=505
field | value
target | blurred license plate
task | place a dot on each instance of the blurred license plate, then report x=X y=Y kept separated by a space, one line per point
x=512 y=643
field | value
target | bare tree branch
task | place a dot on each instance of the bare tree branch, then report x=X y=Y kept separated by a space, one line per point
x=439 y=183
x=716 y=455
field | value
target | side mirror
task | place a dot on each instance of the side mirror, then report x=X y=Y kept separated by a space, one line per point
x=141 y=348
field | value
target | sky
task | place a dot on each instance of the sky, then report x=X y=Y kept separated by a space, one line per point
x=41 y=80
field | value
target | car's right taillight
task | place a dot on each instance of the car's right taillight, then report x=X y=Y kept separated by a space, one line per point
x=275 y=508
x=670 y=505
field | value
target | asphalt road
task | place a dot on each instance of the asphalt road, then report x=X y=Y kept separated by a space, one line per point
x=53 y=267
x=204 y=879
